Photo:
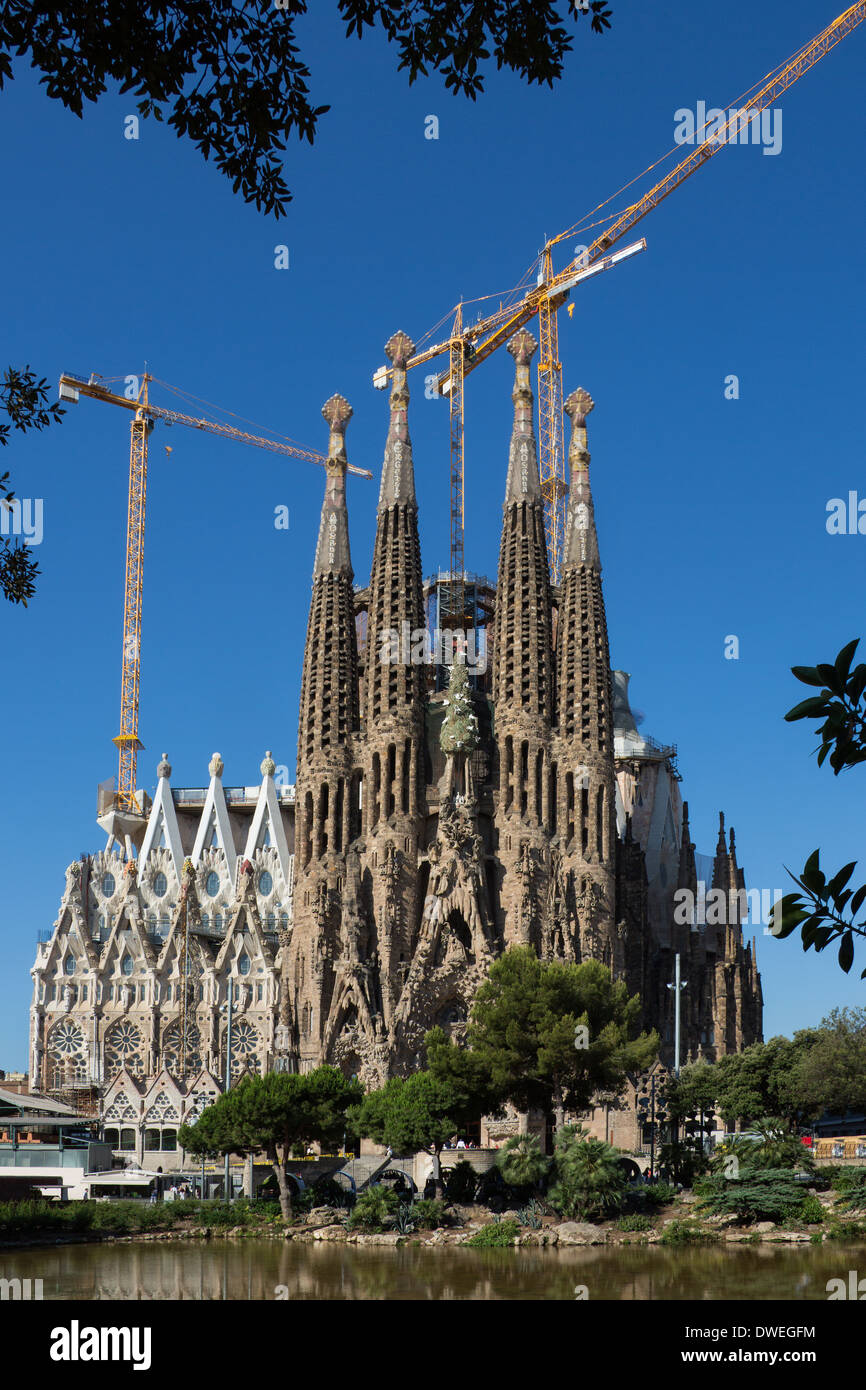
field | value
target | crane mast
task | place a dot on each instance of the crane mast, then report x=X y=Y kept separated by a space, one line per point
x=126 y=804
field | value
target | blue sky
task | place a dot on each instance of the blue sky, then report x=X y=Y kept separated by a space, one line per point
x=711 y=512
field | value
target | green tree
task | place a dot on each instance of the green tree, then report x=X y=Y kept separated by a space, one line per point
x=24 y=403
x=521 y=1162
x=425 y=1110
x=529 y=1024
x=230 y=77
x=590 y=1181
x=831 y=1073
x=270 y=1115
x=826 y=911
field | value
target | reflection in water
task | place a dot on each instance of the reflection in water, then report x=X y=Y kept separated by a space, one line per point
x=253 y=1269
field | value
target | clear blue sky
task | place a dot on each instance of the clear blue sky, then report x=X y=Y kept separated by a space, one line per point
x=711 y=512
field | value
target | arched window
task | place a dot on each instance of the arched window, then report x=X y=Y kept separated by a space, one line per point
x=127 y=965
x=212 y=884
x=169 y=1141
x=112 y=1138
x=160 y=884
x=151 y=1140
x=266 y=883
x=108 y=885
x=127 y=1140
x=244 y=963
x=69 y=965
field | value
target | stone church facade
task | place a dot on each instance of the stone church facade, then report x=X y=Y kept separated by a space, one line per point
x=426 y=832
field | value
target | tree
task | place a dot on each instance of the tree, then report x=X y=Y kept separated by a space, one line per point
x=426 y=1109
x=529 y=1024
x=827 y=909
x=270 y=1115
x=590 y=1180
x=24 y=402
x=831 y=1074
x=521 y=1162
x=229 y=77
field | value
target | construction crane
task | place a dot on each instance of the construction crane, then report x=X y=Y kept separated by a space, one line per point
x=145 y=415
x=468 y=347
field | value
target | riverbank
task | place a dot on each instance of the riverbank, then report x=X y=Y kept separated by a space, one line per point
x=675 y=1223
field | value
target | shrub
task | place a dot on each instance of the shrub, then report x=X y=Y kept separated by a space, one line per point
x=590 y=1183
x=811 y=1212
x=683 y=1161
x=852 y=1189
x=686 y=1233
x=461 y=1183
x=328 y=1193
x=521 y=1162
x=531 y=1215
x=847 y=1230
x=429 y=1214
x=635 y=1221
x=770 y=1194
x=374 y=1209
x=775 y=1149
x=658 y=1194
x=496 y=1235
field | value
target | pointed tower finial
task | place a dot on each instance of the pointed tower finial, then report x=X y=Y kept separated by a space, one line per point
x=164 y=767
x=523 y=479
x=338 y=413
x=268 y=766
x=581 y=541
x=398 y=474
x=216 y=766
x=332 y=551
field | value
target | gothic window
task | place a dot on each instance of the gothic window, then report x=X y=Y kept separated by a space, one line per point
x=124 y=1047
x=160 y=884
x=162 y=1110
x=127 y=965
x=205 y=921
x=245 y=1047
x=112 y=1138
x=266 y=883
x=212 y=884
x=178 y=1058
x=127 y=1140
x=69 y=965
x=108 y=885
x=271 y=921
x=169 y=1141
x=67 y=1059
x=244 y=963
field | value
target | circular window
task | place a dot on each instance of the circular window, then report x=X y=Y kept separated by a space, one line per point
x=212 y=883
x=244 y=963
x=69 y=965
x=266 y=883
x=160 y=884
x=126 y=965
x=108 y=885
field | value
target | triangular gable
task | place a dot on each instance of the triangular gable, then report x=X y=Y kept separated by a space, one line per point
x=173 y=944
x=245 y=918
x=267 y=827
x=163 y=829
x=129 y=918
x=215 y=819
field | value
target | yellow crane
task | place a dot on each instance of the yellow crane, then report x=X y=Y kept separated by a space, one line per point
x=468 y=347
x=145 y=415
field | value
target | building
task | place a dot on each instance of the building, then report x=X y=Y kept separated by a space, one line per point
x=428 y=829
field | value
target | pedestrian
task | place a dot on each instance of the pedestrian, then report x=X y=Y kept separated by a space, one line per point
x=153 y=1197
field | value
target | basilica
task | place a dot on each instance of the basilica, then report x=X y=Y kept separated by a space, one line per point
x=438 y=816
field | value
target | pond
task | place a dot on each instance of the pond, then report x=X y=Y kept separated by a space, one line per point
x=266 y=1269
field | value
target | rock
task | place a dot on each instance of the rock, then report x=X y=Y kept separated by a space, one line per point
x=763 y=1227
x=329 y=1233
x=381 y=1238
x=578 y=1233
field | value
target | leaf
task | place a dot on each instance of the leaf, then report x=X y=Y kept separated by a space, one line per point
x=838 y=881
x=843 y=660
x=857 y=900
x=846 y=952
x=807 y=674
x=812 y=708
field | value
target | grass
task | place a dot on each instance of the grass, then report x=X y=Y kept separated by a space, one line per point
x=130 y=1217
x=686 y=1233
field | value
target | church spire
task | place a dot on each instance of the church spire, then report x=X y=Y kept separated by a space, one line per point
x=523 y=482
x=522 y=644
x=581 y=541
x=332 y=552
x=398 y=473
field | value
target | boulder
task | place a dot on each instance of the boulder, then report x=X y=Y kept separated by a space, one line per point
x=579 y=1233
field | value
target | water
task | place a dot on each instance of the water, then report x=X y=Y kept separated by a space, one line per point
x=257 y=1269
